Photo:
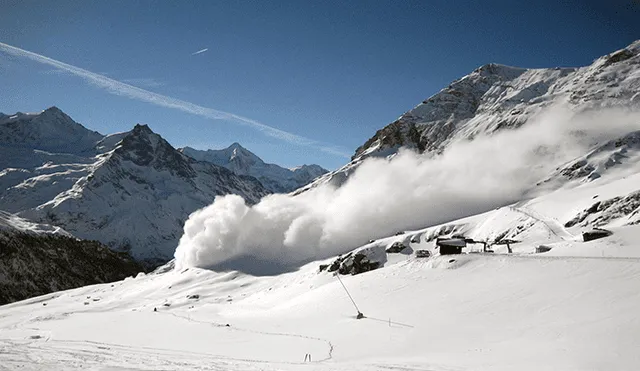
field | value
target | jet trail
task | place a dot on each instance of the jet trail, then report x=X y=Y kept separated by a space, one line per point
x=122 y=89
x=200 y=51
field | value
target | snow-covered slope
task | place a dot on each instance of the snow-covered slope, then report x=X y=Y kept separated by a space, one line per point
x=131 y=191
x=136 y=197
x=573 y=308
x=51 y=130
x=243 y=162
x=495 y=97
x=11 y=222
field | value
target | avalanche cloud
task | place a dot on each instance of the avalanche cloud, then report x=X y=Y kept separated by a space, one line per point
x=384 y=195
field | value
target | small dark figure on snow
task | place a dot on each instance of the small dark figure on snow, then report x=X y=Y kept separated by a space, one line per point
x=360 y=315
x=155 y=309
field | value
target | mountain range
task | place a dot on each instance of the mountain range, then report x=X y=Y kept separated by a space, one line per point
x=132 y=191
x=243 y=162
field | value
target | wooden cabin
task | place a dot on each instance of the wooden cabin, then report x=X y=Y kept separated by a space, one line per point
x=451 y=246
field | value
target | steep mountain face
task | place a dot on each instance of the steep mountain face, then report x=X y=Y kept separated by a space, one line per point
x=131 y=191
x=615 y=154
x=243 y=162
x=51 y=130
x=495 y=97
x=36 y=259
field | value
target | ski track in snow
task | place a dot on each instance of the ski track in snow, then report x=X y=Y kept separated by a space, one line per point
x=552 y=224
x=40 y=349
x=328 y=343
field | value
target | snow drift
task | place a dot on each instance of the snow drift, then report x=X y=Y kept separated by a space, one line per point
x=387 y=195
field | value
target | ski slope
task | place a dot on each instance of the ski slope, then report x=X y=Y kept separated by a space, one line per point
x=477 y=312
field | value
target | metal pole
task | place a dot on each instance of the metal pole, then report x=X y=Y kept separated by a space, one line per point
x=345 y=289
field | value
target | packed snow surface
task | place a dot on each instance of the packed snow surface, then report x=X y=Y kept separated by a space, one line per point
x=468 y=312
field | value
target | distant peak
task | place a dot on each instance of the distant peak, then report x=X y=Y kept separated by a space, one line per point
x=53 y=109
x=235 y=145
x=142 y=128
x=498 y=69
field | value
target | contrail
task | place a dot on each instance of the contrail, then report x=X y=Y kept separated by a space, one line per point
x=200 y=51
x=119 y=88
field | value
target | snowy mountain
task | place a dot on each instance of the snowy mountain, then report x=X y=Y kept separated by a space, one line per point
x=495 y=98
x=37 y=259
x=571 y=308
x=131 y=191
x=51 y=130
x=243 y=162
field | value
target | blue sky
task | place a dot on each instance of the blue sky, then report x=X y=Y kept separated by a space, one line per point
x=329 y=73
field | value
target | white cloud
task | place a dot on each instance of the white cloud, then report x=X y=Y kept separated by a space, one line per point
x=200 y=51
x=383 y=196
x=123 y=89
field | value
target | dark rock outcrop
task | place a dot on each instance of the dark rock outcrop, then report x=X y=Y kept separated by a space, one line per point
x=358 y=261
x=396 y=247
x=37 y=264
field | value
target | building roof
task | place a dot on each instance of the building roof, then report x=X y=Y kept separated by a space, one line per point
x=453 y=242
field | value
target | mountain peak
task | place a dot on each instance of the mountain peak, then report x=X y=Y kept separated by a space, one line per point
x=143 y=147
x=499 y=70
x=53 y=109
x=244 y=162
x=54 y=113
x=48 y=130
x=142 y=128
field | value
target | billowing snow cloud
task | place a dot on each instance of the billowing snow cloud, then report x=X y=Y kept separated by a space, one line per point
x=384 y=196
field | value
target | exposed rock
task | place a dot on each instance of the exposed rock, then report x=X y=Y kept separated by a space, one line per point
x=396 y=247
x=363 y=260
x=603 y=212
x=541 y=249
x=595 y=234
x=37 y=264
x=359 y=261
x=323 y=267
x=619 y=56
